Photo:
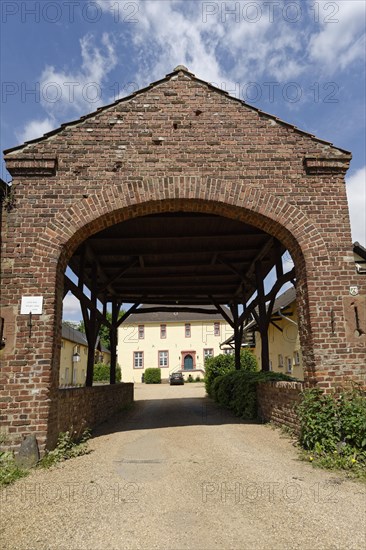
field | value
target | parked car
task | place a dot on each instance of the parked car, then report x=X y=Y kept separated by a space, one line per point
x=176 y=378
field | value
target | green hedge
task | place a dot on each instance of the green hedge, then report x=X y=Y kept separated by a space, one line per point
x=152 y=376
x=237 y=390
x=102 y=370
x=223 y=364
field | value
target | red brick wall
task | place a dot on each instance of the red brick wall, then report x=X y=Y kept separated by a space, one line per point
x=277 y=402
x=81 y=408
x=215 y=156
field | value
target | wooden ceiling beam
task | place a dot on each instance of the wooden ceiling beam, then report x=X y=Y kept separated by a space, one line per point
x=119 y=275
x=84 y=300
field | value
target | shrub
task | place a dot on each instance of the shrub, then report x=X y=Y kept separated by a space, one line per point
x=317 y=414
x=198 y=379
x=190 y=378
x=153 y=376
x=333 y=429
x=223 y=364
x=102 y=373
x=332 y=421
x=237 y=390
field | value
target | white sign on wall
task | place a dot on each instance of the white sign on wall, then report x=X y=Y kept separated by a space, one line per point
x=31 y=304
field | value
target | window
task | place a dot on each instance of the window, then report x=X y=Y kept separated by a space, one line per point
x=67 y=375
x=141 y=332
x=138 y=359
x=62 y=343
x=216 y=329
x=74 y=376
x=280 y=360
x=163 y=359
x=188 y=330
x=162 y=331
x=289 y=364
x=270 y=365
x=228 y=351
x=85 y=351
x=208 y=352
x=296 y=358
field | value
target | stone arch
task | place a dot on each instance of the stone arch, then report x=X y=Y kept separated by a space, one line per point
x=120 y=202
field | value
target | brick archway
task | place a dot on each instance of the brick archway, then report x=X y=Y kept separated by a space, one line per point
x=120 y=202
x=259 y=209
x=178 y=145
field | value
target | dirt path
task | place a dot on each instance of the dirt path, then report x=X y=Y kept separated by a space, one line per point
x=176 y=472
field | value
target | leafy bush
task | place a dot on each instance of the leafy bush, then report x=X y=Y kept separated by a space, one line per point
x=9 y=471
x=237 y=390
x=333 y=428
x=66 y=448
x=198 y=379
x=102 y=373
x=224 y=363
x=190 y=378
x=153 y=376
x=328 y=420
x=317 y=413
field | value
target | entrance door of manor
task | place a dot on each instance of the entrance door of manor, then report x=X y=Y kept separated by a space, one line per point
x=178 y=147
x=188 y=362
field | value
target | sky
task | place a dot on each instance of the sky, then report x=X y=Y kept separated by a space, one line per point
x=303 y=61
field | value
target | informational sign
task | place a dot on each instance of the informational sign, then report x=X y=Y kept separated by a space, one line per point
x=31 y=304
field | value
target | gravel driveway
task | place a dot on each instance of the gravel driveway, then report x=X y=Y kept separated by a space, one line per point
x=177 y=472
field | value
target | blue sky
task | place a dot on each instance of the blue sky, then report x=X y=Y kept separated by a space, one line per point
x=303 y=61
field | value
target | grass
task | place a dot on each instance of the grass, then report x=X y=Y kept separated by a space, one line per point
x=9 y=471
x=354 y=466
x=66 y=448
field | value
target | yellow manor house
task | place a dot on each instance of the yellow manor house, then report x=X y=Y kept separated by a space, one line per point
x=172 y=340
x=176 y=341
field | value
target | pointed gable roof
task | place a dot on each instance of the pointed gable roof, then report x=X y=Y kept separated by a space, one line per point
x=179 y=70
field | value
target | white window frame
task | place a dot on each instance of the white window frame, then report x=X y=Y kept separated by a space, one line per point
x=138 y=357
x=163 y=331
x=289 y=364
x=163 y=358
x=207 y=352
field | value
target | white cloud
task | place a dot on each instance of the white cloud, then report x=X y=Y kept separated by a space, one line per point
x=64 y=93
x=341 y=39
x=179 y=36
x=224 y=43
x=79 y=91
x=71 y=308
x=35 y=129
x=356 y=192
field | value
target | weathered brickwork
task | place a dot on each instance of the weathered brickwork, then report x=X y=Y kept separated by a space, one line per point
x=81 y=408
x=177 y=145
x=277 y=402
